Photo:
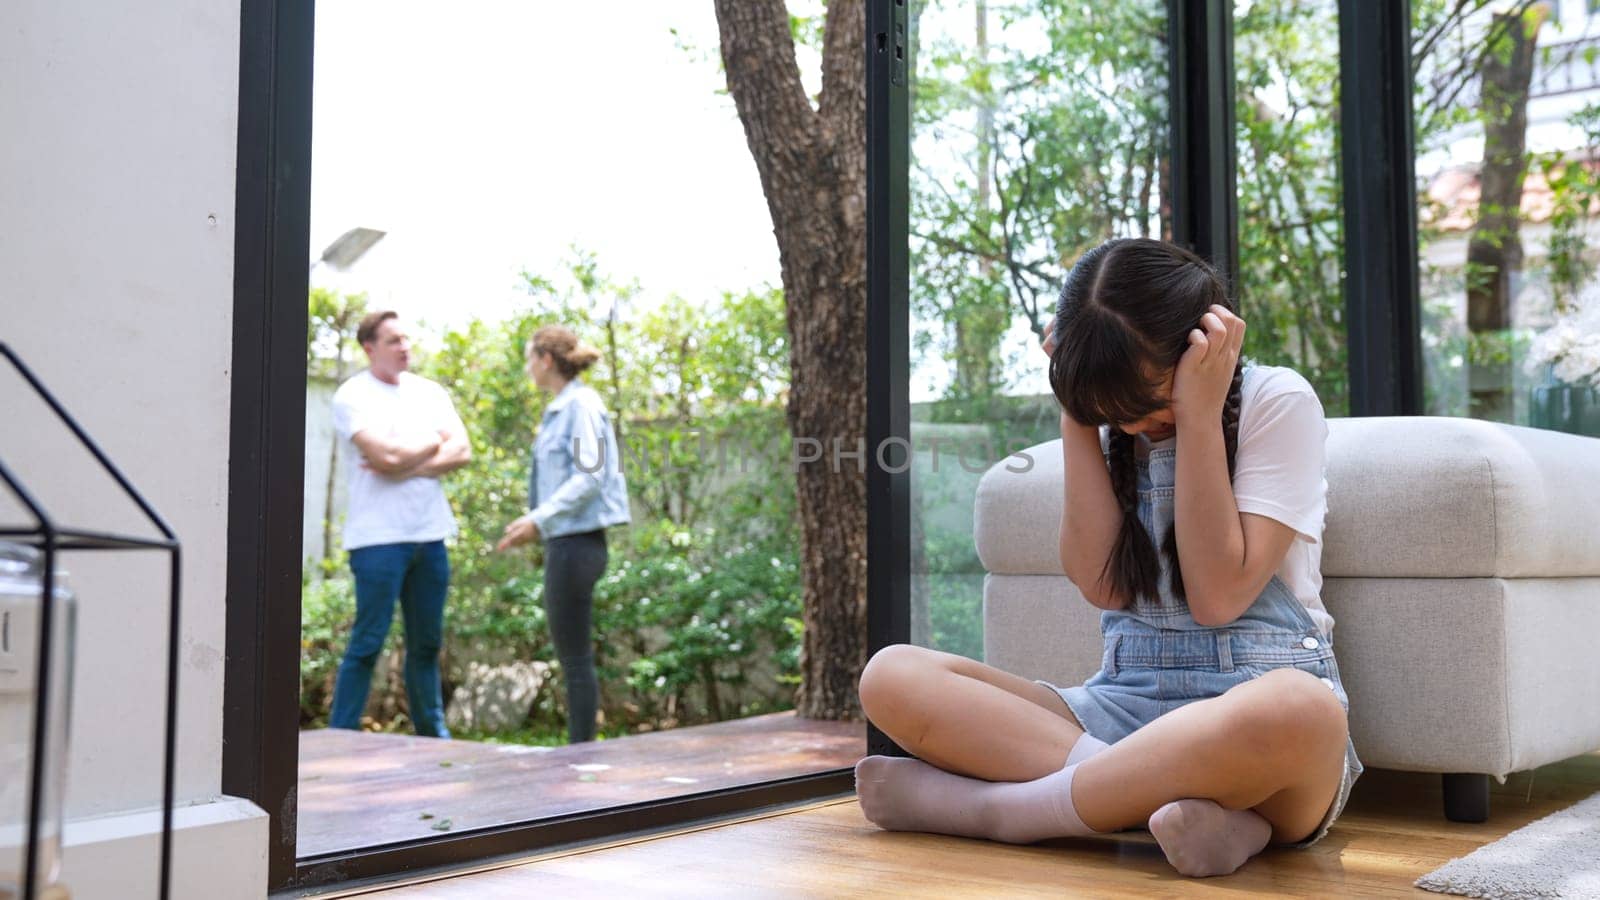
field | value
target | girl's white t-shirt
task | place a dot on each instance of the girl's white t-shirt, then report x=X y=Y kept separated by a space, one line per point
x=1280 y=473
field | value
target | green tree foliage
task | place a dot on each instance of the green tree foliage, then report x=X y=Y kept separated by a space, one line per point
x=1290 y=237
x=1455 y=43
x=1574 y=180
x=1041 y=128
x=331 y=319
x=1039 y=133
x=1044 y=131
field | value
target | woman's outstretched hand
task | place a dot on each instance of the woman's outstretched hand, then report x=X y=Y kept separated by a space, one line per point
x=1047 y=338
x=1200 y=386
x=520 y=531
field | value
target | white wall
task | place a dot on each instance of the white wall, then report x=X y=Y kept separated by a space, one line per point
x=116 y=242
x=319 y=438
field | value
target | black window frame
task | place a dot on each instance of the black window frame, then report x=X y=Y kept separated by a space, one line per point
x=1377 y=134
x=1201 y=89
x=266 y=470
x=1377 y=159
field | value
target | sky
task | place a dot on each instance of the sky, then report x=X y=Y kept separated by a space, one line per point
x=490 y=137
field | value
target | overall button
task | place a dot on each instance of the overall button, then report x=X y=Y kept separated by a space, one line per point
x=1310 y=643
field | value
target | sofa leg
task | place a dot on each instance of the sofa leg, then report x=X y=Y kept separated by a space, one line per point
x=1466 y=797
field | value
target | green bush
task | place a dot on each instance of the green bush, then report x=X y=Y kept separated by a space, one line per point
x=327 y=609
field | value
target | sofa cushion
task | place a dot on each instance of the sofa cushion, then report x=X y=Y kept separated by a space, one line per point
x=1468 y=674
x=1408 y=497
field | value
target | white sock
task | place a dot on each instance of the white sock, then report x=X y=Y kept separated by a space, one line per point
x=1201 y=838
x=901 y=794
x=1086 y=747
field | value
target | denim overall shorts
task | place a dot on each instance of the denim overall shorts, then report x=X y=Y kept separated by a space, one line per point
x=1158 y=658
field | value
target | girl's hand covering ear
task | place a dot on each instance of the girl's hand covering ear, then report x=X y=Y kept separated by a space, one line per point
x=1200 y=386
x=1048 y=337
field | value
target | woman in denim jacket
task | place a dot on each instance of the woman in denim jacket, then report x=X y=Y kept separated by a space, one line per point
x=575 y=492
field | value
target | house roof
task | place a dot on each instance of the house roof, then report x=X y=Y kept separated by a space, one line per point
x=1454 y=194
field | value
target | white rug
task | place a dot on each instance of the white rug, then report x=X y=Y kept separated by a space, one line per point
x=1557 y=856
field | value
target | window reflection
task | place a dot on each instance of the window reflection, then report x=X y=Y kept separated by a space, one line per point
x=1038 y=132
x=1507 y=133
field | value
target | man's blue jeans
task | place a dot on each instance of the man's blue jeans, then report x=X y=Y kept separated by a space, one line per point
x=418 y=575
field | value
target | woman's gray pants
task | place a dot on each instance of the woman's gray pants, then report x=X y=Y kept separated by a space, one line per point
x=572 y=565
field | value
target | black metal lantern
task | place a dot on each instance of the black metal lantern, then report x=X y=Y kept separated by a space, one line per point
x=31 y=561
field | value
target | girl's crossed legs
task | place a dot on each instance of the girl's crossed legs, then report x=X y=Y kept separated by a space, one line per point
x=1274 y=745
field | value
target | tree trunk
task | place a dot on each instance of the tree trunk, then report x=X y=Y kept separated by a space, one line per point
x=616 y=379
x=978 y=330
x=1163 y=176
x=1494 y=251
x=812 y=164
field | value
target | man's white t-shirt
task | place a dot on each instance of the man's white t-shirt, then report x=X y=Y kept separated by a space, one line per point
x=1279 y=472
x=381 y=510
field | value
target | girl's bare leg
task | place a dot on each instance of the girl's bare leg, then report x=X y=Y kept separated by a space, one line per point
x=1275 y=744
x=966 y=717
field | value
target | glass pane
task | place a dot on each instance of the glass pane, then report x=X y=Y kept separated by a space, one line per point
x=1039 y=131
x=1286 y=54
x=523 y=179
x=1508 y=131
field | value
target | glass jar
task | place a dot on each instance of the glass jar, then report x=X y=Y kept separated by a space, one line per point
x=21 y=592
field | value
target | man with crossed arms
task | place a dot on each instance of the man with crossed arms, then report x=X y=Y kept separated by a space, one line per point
x=408 y=435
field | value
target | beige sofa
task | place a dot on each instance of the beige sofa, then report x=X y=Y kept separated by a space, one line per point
x=1461 y=562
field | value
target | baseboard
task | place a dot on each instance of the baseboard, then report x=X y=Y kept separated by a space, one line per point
x=219 y=853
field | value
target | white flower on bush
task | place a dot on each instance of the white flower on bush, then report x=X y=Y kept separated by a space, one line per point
x=1571 y=346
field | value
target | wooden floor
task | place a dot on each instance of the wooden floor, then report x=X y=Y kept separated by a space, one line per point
x=1392 y=833
x=364 y=790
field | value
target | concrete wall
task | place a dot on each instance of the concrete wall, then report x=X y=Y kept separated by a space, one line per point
x=320 y=438
x=116 y=239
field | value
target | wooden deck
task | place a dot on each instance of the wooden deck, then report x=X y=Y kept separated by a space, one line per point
x=1391 y=834
x=364 y=790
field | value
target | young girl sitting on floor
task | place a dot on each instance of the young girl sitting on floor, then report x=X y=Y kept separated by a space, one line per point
x=1193 y=516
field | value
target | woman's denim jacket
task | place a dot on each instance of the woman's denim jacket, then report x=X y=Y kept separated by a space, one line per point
x=576 y=482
